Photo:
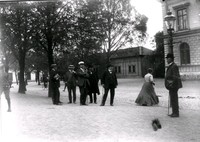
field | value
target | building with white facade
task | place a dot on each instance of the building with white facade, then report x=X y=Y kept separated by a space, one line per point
x=186 y=36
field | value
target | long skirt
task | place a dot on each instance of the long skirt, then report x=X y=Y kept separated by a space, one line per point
x=147 y=95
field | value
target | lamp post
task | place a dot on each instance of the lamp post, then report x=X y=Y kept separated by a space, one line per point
x=169 y=22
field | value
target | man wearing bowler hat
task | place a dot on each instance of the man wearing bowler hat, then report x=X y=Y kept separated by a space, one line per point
x=70 y=81
x=109 y=82
x=173 y=83
x=55 y=79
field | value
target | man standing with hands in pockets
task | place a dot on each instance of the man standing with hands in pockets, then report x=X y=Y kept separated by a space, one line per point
x=71 y=83
x=109 y=82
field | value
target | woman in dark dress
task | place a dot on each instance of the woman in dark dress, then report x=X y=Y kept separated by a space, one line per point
x=94 y=87
x=147 y=95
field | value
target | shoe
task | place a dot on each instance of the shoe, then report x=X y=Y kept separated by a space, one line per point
x=111 y=105
x=69 y=102
x=57 y=104
x=84 y=104
x=9 y=110
x=174 y=115
x=102 y=105
x=74 y=102
x=144 y=104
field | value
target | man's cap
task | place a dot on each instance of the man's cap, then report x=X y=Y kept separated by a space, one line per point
x=53 y=65
x=81 y=63
x=71 y=66
x=170 y=55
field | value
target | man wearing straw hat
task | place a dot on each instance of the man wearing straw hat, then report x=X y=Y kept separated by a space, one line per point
x=173 y=83
x=83 y=82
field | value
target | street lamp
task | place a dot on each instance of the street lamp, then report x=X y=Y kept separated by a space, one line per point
x=170 y=21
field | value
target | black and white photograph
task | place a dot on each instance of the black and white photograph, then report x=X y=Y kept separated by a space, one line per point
x=99 y=70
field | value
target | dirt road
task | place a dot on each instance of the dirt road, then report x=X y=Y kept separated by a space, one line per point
x=35 y=119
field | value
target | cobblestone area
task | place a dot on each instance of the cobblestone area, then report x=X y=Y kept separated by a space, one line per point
x=35 y=119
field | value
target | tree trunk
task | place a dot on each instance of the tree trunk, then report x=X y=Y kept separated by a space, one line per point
x=22 y=85
x=38 y=77
x=51 y=61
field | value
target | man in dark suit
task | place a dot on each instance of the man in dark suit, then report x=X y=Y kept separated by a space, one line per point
x=55 y=79
x=173 y=83
x=109 y=82
x=83 y=82
x=70 y=81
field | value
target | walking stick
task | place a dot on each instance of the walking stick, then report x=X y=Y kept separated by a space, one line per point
x=168 y=103
x=102 y=88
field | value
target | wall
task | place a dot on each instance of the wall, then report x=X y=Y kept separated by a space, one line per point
x=191 y=36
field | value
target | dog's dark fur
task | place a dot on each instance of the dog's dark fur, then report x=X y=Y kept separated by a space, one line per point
x=156 y=124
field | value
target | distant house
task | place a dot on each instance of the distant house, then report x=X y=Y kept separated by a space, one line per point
x=186 y=35
x=131 y=62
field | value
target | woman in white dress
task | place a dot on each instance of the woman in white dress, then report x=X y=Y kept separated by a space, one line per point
x=147 y=95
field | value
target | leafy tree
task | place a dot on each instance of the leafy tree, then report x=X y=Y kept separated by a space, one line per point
x=88 y=36
x=52 y=24
x=17 y=29
x=34 y=64
x=122 y=24
x=158 y=56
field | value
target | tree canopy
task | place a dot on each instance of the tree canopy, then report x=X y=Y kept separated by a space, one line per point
x=67 y=31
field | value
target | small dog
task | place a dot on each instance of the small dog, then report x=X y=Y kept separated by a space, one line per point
x=156 y=124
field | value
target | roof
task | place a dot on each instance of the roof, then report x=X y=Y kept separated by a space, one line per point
x=131 y=52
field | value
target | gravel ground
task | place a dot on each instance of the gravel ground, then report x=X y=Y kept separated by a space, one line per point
x=35 y=119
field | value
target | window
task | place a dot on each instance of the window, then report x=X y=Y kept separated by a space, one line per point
x=182 y=16
x=118 y=69
x=182 y=19
x=185 y=53
x=131 y=68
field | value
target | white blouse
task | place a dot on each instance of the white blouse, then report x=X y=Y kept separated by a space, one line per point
x=148 y=77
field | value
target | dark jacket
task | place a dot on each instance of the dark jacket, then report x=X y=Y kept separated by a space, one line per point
x=55 y=78
x=109 y=80
x=70 y=78
x=82 y=78
x=172 y=77
x=94 y=79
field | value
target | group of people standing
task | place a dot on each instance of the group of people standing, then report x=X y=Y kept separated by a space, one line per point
x=86 y=78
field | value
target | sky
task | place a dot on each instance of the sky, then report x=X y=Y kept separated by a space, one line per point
x=153 y=10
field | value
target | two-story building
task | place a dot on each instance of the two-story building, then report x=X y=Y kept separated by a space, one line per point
x=186 y=35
